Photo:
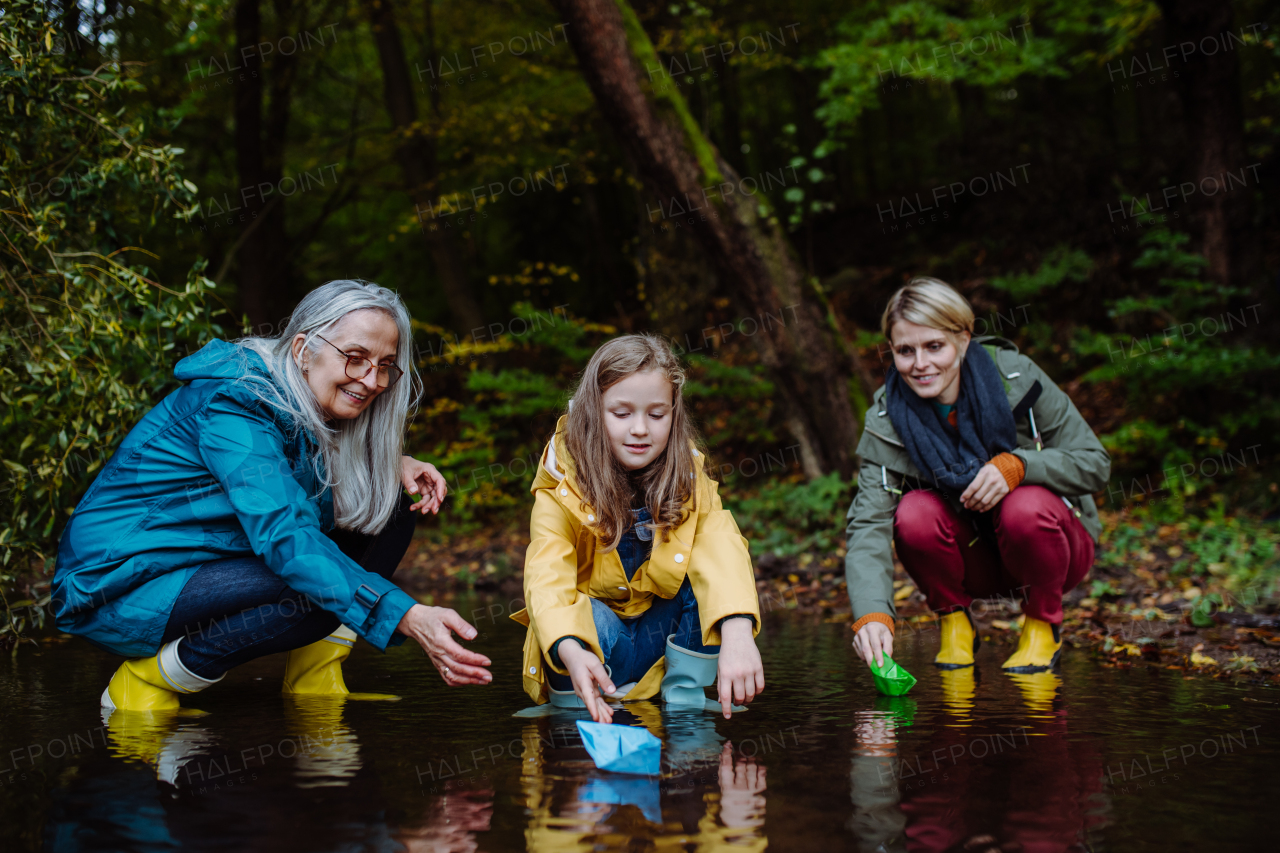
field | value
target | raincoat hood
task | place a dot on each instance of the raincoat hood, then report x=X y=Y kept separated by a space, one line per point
x=220 y=360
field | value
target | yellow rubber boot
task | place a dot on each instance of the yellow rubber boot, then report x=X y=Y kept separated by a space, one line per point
x=316 y=670
x=959 y=641
x=1039 y=647
x=152 y=684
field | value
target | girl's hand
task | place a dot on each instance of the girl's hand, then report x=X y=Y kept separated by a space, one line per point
x=587 y=672
x=433 y=628
x=422 y=479
x=741 y=675
x=873 y=641
x=986 y=490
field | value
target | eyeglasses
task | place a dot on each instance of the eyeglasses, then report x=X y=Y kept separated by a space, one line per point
x=358 y=368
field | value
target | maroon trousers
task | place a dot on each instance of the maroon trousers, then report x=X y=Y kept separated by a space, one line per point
x=1042 y=551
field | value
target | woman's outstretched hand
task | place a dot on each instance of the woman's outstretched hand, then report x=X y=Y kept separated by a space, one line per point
x=740 y=676
x=873 y=641
x=422 y=479
x=589 y=679
x=433 y=629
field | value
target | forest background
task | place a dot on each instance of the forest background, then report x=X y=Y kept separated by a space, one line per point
x=750 y=179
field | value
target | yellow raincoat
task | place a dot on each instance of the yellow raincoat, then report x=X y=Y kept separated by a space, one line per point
x=564 y=569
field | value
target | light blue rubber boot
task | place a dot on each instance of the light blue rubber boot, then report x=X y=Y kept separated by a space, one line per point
x=564 y=699
x=687 y=676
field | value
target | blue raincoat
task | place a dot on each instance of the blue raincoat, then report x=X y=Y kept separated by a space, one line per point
x=209 y=473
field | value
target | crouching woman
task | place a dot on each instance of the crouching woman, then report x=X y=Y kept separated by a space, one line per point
x=259 y=509
x=980 y=471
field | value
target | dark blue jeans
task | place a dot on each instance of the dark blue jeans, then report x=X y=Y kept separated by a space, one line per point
x=234 y=610
x=631 y=647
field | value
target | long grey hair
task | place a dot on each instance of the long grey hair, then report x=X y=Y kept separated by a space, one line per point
x=360 y=458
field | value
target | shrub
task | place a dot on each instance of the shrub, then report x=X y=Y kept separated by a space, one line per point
x=87 y=337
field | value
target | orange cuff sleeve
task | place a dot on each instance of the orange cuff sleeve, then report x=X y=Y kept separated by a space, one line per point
x=882 y=618
x=1011 y=467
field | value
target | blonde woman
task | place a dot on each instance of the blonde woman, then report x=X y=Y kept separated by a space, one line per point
x=637 y=580
x=262 y=508
x=980 y=471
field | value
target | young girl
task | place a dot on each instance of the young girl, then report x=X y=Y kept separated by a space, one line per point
x=635 y=575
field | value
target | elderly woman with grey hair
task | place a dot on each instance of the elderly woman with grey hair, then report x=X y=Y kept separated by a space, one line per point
x=261 y=508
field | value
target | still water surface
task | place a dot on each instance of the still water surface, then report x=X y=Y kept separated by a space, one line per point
x=1090 y=758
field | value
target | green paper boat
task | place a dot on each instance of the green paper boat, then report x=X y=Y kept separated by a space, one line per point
x=891 y=679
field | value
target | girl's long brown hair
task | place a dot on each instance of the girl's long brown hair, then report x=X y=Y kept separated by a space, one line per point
x=668 y=483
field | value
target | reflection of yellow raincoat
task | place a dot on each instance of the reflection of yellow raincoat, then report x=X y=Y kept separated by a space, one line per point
x=560 y=819
x=564 y=569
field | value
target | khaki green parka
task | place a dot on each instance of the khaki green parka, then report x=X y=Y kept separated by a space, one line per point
x=1067 y=459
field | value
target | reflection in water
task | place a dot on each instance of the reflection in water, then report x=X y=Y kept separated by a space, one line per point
x=958 y=689
x=1038 y=690
x=1025 y=787
x=218 y=791
x=877 y=822
x=972 y=759
x=156 y=738
x=708 y=798
x=328 y=752
x=451 y=823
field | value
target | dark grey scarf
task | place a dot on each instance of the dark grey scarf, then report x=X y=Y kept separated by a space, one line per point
x=953 y=457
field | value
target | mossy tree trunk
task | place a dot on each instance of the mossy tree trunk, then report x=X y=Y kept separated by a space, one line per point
x=811 y=367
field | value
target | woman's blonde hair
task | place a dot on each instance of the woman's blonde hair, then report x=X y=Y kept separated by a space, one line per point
x=928 y=302
x=668 y=484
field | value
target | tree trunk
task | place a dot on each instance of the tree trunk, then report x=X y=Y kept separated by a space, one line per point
x=416 y=154
x=1210 y=91
x=796 y=338
x=262 y=259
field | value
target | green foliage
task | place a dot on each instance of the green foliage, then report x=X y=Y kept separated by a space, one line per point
x=1238 y=551
x=928 y=42
x=1060 y=265
x=976 y=43
x=730 y=403
x=87 y=338
x=503 y=415
x=1183 y=359
x=1101 y=588
x=789 y=517
x=487 y=435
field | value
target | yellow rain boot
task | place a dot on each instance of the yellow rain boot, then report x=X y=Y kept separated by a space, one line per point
x=1039 y=647
x=152 y=684
x=317 y=669
x=959 y=641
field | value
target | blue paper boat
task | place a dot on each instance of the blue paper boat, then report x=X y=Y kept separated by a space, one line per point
x=622 y=749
